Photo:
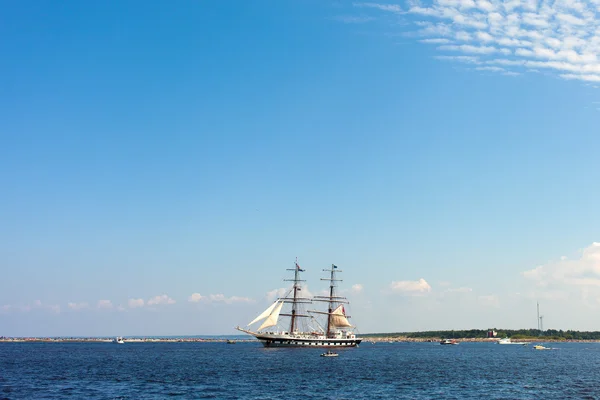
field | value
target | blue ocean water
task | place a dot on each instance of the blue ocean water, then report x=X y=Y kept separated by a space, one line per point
x=249 y=371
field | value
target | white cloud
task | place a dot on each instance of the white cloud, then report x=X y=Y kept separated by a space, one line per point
x=160 y=299
x=195 y=297
x=135 y=303
x=104 y=304
x=77 y=306
x=411 y=287
x=579 y=272
x=466 y=48
x=357 y=288
x=435 y=41
x=563 y=37
x=276 y=293
x=220 y=298
x=459 y=290
x=38 y=304
x=383 y=7
x=462 y=59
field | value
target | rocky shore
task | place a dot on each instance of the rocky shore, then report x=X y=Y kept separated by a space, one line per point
x=401 y=339
x=127 y=340
x=366 y=339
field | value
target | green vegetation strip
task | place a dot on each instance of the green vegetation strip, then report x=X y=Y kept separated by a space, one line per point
x=500 y=333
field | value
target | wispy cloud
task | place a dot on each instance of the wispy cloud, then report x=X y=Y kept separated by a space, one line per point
x=104 y=304
x=353 y=19
x=55 y=308
x=276 y=293
x=357 y=288
x=459 y=290
x=161 y=299
x=560 y=37
x=419 y=287
x=383 y=7
x=195 y=298
x=135 y=303
x=77 y=306
x=218 y=298
x=575 y=273
x=489 y=300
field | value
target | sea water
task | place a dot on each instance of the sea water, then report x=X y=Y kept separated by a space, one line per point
x=250 y=371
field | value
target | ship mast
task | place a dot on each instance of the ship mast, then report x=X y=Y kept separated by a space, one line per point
x=332 y=299
x=331 y=287
x=296 y=298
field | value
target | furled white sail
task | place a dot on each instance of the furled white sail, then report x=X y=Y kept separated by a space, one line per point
x=265 y=313
x=272 y=319
x=338 y=318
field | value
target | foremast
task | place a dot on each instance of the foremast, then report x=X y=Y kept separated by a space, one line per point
x=336 y=315
x=295 y=298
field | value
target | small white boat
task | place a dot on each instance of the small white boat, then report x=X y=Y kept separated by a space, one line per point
x=449 y=341
x=118 y=340
x=329 y=354
x=509 y=341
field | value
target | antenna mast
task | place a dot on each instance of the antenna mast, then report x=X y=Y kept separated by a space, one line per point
x=538 y=319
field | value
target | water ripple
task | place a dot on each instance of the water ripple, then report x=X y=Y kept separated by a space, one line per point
x=249 y=371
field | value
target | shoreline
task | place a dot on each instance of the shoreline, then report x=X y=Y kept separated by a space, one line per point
x=365 y=340
x=402 y=339
x=148 y=339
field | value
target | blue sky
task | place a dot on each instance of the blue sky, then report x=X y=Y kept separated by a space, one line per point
x=444 y=154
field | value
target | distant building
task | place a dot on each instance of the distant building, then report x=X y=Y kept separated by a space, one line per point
x=492 y=333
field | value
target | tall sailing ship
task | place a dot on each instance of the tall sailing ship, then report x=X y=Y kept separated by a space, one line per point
x=304 y=328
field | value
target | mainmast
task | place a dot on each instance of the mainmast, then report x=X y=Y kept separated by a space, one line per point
x=333 y=300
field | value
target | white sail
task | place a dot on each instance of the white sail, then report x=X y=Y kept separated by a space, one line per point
x=338 y=318
x=272 y=319
x=265 y=313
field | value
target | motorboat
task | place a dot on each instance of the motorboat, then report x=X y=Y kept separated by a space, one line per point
x=540 y=347
x=448 y=341
x=118 y=340
x=329 y=353
x=509 y=341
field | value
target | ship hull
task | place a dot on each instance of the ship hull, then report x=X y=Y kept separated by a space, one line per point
x=279 y=340
x=293 y=342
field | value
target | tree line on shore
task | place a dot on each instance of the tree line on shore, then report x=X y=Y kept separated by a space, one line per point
x=500 y=333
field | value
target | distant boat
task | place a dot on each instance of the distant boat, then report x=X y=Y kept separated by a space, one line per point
x=304 y=329
x=118 y=340
x=329 y=353
x=229 y=341
x=448 y=341
x=508 y=341
x=540 y=347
